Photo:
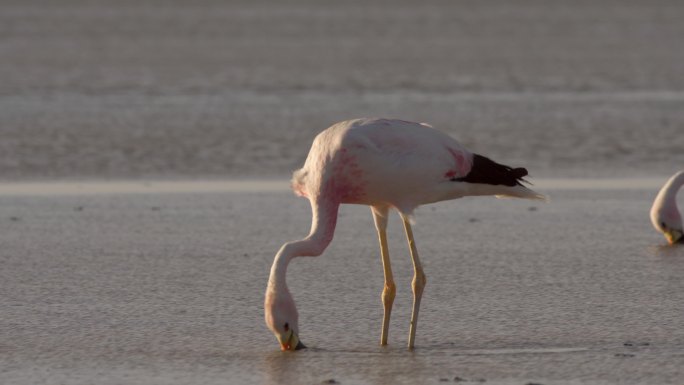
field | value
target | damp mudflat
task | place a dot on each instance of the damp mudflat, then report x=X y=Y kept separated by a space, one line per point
x=159 y=288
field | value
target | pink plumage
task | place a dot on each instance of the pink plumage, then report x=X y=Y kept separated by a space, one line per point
x=384 y=164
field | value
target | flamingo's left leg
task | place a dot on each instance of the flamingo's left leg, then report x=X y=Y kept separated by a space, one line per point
x=418 y=283
x=380 y=214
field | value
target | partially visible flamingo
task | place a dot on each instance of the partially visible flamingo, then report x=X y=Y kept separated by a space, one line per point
x=384 y=164
x=664 y=212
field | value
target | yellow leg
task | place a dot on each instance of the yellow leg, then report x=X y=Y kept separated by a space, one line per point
x=389 y=291
x=418 y=283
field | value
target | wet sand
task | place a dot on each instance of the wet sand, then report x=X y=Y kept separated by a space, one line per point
x=116 y=270
x=164 y=288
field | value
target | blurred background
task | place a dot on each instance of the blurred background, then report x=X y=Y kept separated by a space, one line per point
x=238 y=89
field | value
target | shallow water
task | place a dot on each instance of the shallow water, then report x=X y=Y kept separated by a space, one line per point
x=218 y=89
x=168 y=288
x=147 y=278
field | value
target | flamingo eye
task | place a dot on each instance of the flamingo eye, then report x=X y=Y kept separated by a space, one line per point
x=663 y=225
x=287 y=326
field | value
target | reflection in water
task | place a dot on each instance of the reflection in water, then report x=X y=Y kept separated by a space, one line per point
x=666 y=250
x=382 y=366
x=277 y=366
x=668 y=265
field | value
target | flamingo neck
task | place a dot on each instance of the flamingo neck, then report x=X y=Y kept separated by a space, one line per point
x=665 y=204
x=323 y=221
x=672 y=186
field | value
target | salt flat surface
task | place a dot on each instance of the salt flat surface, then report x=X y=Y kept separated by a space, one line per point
x=157 y=275
x=217 y=89
x=168 y=289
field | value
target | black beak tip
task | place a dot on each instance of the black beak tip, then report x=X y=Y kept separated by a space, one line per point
x=300 y=346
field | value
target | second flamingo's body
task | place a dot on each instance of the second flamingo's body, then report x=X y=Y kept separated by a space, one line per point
x=665 y=214
x=384 y=164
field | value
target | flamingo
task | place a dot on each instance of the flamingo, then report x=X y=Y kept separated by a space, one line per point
x=382 y=163
x=664 y=212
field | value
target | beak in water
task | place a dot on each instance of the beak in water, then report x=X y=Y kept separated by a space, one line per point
x=673 y=236
x=291 y=342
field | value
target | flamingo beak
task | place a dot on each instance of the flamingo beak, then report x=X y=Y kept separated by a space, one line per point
x=291 y=342
x=673 y=236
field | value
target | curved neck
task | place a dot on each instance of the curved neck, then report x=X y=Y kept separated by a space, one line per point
x=323 y=221
x=669 y=191
x=675 y=183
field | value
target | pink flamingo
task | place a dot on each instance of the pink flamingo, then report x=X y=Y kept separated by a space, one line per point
x=384 y=164
x=664 y=212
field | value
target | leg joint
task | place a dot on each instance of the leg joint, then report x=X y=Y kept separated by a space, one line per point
x=419 y=281
x=389 y=292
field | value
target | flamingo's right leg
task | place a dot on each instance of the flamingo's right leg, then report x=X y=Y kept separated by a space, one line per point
x=380 y=214
x=418 y=282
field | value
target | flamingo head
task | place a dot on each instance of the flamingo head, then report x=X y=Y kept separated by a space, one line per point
x=666 y=219
x=281 y=318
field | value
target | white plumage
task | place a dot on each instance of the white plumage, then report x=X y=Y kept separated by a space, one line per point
x=665 y=215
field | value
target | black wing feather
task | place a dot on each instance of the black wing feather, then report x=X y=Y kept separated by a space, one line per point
x=487 y=171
